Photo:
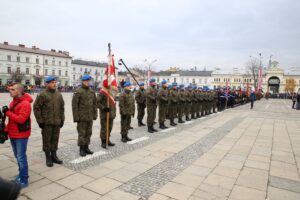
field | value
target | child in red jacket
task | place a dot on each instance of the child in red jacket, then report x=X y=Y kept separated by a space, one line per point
x=19 y=128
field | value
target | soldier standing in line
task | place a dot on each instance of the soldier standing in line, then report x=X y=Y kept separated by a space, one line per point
x=198 y=109
x=127 y=109
x=103 y=110
x=181 y=103
x=84 y=107
x=188 y=103
x=201 y=97
x=49 y=111
x=168 y=105
x=173 y=96
x=151 y=97
x=194 y=102
x=140 y=98
x=215 y=101
x=162 y=98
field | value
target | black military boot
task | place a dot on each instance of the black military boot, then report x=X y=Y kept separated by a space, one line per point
x=110 y=143
x=55 y=159
x=187 y=118
x=103 y=144
x=193 y=116
x=153 y=129
x=82 y=151
x=172 y=122
x=123 y=139
x=150 y=129
x=198 y=115
x=180 y=120
x=49 y=161
x=140 y=123
x=128 y=138
x=130 y=127
x=165 y=125
x=87 y=150
x=161 y=125
x=143 y=124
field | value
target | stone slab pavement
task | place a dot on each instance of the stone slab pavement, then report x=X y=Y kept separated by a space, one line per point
x=236 y=154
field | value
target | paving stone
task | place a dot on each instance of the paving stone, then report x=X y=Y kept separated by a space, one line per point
x=36 y=185
x=122 y=175
x=253 y=178
x=215 y=190
x=97 y=171
x=102 y=185
x=47 y=192
x=244 y=193
x=75 y=180
x=176 y=191
x=188 y=179
x=279 y=194
x=257 y=164
x=220 y=181
x=119 y=194
x=227 y=171
x=286 y=184
x=232 y=164
x=80 y=194
x=199 y=171
x=114 y=164
x=284 y=170
x=158 y=197
x=57 y=173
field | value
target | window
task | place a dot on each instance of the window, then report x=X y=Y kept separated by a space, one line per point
x=46 y=62
x=8 y=58
x=27 y=82
x=200 y=80
x=205 y=81
x=27 y=59
x=53 y=72
x=37 y=72
x=193 y=81
x=182 y=80
x=27 y=71
x=37 y=61
x=18 y=58
x=73 y=77
x=59 y=72
x=18 y=70
x=67 y=64
x=174 y=80
x=187 y=80
x=53 y=62
x=8 y=70
x=73 y=68
x=59 y=63
x=46 y=72
x=66 y=73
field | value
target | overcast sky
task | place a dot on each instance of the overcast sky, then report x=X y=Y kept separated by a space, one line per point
x=181 y=33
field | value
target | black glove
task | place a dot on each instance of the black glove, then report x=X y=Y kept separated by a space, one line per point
x=42 y=125
x=106 y=109
x=61 y=124
x=5 y=109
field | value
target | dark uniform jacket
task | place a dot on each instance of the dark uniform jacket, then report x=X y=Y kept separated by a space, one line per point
x=151 y=95
x=49 y=108
x=126 y=104
x=84 y=105
x=102 y=103
x=162 y=96
x=140 y=97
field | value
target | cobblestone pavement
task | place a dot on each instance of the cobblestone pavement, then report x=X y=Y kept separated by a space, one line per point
x=237 y=154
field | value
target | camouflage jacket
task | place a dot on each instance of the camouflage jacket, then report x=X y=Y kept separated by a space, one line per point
x=102 y=103
x=173 y=96
x=49 y=108
x=140 y=97
x=151 y=96
x=181 y=97
x=84 y=105
x=126 y=103
x=162 y=96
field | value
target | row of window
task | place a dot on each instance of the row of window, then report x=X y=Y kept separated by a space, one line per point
x=37 y=60
x=235 y=80
x=37 y=72
x=187 y=80
x=88 y=71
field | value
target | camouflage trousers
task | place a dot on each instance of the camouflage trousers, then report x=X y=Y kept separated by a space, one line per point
x=214 y=106
x=181 y=108
x=173 y=111
x=187 y=109
x=141 y=112
x=84 y=132
x=162 y=112
x=203 y=108
x=151 y=114
x=199 y=107
x=194 y=108
x=125 y=124
x=103 y=127
x=50 y=136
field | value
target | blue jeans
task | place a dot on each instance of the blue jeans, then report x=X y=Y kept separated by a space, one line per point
x=19 y=146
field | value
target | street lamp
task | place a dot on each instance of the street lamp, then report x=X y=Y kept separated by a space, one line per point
x=149 y=70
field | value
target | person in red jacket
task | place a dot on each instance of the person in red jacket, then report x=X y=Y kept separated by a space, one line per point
x=19 y=128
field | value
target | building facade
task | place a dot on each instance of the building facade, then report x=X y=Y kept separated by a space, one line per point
x=30 y=65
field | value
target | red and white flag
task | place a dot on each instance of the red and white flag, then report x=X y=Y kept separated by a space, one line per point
x=110 y=86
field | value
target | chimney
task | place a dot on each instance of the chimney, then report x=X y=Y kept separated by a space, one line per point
x=21 y=45
x=34 y=47
x=59 y=51
x=5 y=43
x=53 y=50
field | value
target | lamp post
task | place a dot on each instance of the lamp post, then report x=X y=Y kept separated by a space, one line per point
x=149 y=70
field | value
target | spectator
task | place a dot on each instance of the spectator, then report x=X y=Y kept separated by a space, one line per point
x=298 y=100
x=252 y=98
x=294 y=99
x=19 y=128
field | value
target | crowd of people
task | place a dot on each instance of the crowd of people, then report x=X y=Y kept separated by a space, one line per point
x=173 y=102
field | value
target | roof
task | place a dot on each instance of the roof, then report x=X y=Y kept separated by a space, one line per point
x=88 y=63
x=35 y=50
x=184 y=73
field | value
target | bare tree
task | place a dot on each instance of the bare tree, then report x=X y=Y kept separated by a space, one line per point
x=16 y=76
x=252 y=68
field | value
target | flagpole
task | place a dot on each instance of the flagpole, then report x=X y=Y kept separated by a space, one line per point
x=107 y=98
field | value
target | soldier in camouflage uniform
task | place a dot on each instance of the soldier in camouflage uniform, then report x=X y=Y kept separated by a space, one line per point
x=105 y=109
x=140 y=98
x=198 y=109
x=84 y=107
x=168 y=105
x=151 y=98
x=215 y=100
x=162 y=98
x=188 y=103
x=49 y=111
x=211 y=101
x=204 y=94
x=181 y=103
x=194 y=102
x=127 y=109
x=173 y=97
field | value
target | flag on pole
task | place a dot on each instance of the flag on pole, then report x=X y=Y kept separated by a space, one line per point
x=110 y=86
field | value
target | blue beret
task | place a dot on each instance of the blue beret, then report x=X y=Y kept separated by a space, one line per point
x=189 y=86
x=86 y=77
x=194 y=87
x=142 y=84
x=152 y=80
x=50 y=78
x=169 y=86
x=126 y=84
x=181 y=86
x=174 y=84
x=163 y=82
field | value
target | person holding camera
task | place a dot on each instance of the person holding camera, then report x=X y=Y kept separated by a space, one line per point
x=19 y=128
x=49 y=111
